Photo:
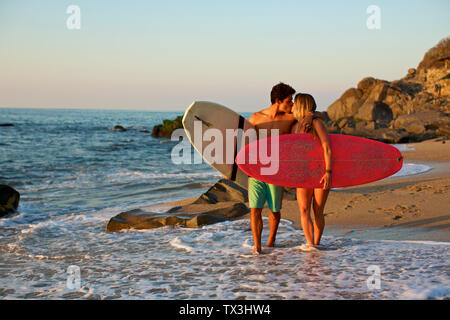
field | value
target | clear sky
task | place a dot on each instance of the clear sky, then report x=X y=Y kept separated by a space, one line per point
x=162 y=55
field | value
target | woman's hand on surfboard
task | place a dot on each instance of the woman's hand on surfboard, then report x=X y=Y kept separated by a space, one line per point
x=326 y=180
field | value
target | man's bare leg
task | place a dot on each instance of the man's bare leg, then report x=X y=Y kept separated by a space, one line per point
x=274 y=221
x=257 y=227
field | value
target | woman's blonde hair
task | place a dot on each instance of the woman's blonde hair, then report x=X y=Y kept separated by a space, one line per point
x=303 y=104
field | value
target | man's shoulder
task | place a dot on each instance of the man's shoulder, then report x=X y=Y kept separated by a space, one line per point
x=263 y=112
x=259 y=115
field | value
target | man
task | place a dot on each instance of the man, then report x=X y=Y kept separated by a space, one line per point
x=277 y=116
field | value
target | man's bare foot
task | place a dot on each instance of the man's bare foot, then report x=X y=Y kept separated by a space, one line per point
x=270 y=244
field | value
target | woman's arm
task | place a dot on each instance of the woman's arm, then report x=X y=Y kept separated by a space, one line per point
x=294 y=127
x=322 y=133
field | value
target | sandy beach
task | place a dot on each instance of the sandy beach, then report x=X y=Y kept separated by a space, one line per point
x=414 y=207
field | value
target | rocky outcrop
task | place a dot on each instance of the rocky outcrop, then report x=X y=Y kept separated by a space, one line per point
x=434 y=69
x=443 y=131
x=119 y=128
x=375 y=111
x=347 y=105
x=224 y=190
x=414 y=108
x=9 y=199
x=386 y=135
x=289 y=193
x=223 y=201
x=425 y=120
x=140 y=219
x=165 y=130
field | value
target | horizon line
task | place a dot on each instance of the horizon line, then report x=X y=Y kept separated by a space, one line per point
x=88 y=108
x=100 y=109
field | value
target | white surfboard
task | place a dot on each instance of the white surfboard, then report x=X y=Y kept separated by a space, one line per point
x=209 y=115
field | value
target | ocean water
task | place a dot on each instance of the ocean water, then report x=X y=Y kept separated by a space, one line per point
x=74 y=174
x=408 y=168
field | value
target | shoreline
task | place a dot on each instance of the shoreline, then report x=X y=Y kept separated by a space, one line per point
x=412 y=207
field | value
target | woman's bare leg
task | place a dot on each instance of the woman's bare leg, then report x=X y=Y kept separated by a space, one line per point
x=304 y=199
x=320 y=197
x=257 y=227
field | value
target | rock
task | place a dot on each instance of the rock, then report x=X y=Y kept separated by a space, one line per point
x=375 y=110
x=442 y=139
x=289 y=193
x=326 y=118
x=365 y=125
x=347 y=105
x=378 y=93
x=415 y=127
x=396 y=94
x=443 y=131
x=224 y=190
x=386 y=135
x=332 y=127
x=436 y=57
x=119 y=128
x=367 y=83
x=397 y=110
x=429 y=134
x=423 y=91
x=223 y=201
x=140 y=219
x=9 y=199
x=6 y=125
x=165 y=130
x=342 y=123
x=434 y=68
x=427 y=119
x=411 y=73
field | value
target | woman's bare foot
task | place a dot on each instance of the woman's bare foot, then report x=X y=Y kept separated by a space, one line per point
x=307 y=247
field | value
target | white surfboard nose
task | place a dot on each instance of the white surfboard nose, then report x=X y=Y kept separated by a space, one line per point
x=206 y=119
x=186 y=113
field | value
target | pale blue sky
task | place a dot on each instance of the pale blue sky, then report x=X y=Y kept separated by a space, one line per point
x=164 y=55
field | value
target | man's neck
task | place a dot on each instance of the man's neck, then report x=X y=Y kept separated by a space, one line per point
x=273 y=110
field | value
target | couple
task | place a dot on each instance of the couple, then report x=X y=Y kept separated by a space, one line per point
x=289 y=116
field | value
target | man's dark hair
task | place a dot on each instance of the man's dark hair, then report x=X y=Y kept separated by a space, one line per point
x=281 y=91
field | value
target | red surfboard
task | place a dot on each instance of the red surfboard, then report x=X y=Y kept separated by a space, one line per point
x=300 y=161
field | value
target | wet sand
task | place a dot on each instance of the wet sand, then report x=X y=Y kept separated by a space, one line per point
x=415 y=207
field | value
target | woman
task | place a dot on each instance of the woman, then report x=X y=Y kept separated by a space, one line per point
x=308 y=121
